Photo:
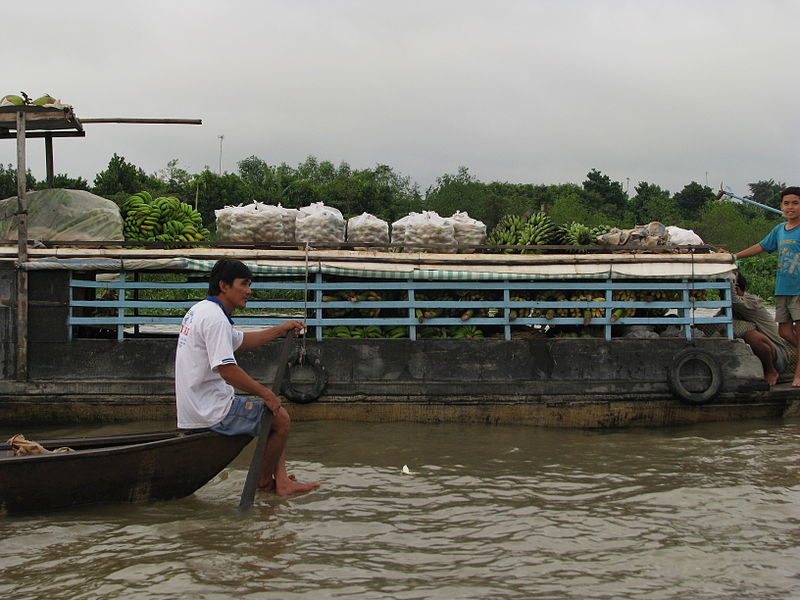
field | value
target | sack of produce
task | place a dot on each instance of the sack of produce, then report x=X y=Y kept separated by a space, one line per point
x=683 y=237
x=367 y=229
x=251 y=223
x=65 y=215
x=399 y=229
x=652 y=234
x=468 y=231
x=288 y=218
x=430 y=231
x=318 y=224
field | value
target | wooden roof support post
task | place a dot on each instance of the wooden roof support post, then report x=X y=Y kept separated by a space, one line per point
x=48 y=158
x=22 y=254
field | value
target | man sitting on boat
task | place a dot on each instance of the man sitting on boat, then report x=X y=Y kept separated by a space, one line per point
x=206 y=374
x=753 y=323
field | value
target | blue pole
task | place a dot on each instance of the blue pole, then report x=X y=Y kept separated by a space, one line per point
x=732 y=195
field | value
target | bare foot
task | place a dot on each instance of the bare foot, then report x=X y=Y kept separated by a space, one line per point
x=771 y=378
x=796 y=383
x=288 y=487
x=269 y=486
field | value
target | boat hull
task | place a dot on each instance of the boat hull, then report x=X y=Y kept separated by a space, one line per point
x=143 y=468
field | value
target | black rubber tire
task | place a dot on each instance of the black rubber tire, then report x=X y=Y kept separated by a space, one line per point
x=677 y=386
x=320 y=378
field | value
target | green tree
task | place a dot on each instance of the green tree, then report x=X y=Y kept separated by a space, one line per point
x=691 y=199
x=604 y=195
x=766 y=192
x=121 y=179
x=8 y=181
x=174 y=180
x=725 y=224
x=216 y=191
x=651 y=203
x=62 y=180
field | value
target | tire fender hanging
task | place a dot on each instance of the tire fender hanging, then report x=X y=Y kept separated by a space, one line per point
x=679 y=388
x=312 y=360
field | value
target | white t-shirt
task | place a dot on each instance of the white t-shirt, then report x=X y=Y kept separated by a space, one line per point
x=206 y=341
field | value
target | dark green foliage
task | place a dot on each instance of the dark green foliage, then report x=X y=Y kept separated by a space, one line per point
x=8 y=181
x=760 y=274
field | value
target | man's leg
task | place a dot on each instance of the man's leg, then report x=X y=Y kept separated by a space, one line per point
x=273 y=476
x=790 y=331
x=764 y=350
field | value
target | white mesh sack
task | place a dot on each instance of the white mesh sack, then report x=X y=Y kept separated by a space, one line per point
x=431 y=232
x=468 y=231
x=251 y=223
x=319 y=224
x=399 y=229
x=367 y=229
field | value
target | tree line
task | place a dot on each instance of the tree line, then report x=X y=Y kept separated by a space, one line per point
x=389 y=195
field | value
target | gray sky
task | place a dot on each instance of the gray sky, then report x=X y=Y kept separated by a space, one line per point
x=522 y=91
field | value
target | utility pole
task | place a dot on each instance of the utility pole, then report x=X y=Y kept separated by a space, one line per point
x=219 y=170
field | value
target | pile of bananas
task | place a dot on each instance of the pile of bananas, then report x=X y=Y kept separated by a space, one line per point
x=461 y=332
x=164 y=219
x=370 y=331
x=513 y=230
x=351 y=296
x=578 y=234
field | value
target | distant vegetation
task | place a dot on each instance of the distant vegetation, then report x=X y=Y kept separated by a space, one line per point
x=389 y=195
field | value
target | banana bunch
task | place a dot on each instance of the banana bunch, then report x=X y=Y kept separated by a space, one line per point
x=395 y=332
x=164 y=219
x=576 y=234
x=513 y=230
x=473 y=296
x=343 y=331
x=466 y=331
x=524 y=311
x=623 y=296
x=432 y=313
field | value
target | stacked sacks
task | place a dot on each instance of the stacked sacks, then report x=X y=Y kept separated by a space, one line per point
x=255 y=222
x=429 y=231
x=399 y=229
x=321 y=225
x=367 y=229
x=468 y=231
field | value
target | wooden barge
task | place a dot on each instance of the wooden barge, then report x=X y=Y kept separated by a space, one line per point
x=568 y=339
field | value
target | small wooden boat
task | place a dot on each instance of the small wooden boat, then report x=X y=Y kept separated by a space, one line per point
x=126 y=468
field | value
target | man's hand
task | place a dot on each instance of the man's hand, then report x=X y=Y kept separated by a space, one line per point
x=298 y=326
x=272 y=402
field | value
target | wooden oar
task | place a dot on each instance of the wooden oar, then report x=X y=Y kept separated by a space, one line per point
x=249 y=491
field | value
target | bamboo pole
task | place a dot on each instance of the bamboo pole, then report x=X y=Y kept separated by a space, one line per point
x=48 y=157
x=143 y=120
x=22 y=254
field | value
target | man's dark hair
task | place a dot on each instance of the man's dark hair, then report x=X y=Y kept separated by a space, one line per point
x=741 y=281
x=792 y=190
x=227 y=269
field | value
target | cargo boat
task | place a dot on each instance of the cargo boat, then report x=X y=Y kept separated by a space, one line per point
x=564 y=340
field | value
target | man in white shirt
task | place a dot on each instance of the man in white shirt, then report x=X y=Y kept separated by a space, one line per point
x=206 y=373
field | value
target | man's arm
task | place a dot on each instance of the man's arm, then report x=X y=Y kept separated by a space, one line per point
x=751 y=251
x=254 y=339
x=238 y=378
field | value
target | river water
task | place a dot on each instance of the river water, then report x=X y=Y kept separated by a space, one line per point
x=709 y=511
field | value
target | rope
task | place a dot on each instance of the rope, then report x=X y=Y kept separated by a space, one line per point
x=302 y=356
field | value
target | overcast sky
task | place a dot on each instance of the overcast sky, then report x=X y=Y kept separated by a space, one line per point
x=533 y=91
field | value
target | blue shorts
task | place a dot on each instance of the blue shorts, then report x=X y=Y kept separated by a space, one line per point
x=244 y=416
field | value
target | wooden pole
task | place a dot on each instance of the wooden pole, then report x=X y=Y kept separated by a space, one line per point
x=22 y=254
x=48 y=148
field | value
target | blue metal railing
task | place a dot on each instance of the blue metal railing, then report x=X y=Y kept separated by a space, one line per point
x=512 y=304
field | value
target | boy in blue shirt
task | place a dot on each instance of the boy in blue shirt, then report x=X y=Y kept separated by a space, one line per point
x=785 y=239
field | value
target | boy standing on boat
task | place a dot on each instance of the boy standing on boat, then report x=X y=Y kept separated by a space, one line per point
x=785 y=239
x=206 y=374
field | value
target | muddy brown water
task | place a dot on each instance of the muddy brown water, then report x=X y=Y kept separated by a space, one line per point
x=709 y=511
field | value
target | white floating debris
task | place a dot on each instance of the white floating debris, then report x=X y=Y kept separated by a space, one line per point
x=406 y=470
